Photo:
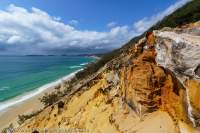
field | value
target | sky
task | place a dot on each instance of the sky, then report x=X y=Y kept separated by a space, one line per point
x=76 y=26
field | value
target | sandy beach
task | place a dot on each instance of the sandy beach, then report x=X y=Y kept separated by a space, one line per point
x=10 y=115
x=27 y=103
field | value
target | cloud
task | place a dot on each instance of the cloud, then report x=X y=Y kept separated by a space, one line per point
x=145 y=23
x=74 y=22
x=34 y=31
x=111 y=24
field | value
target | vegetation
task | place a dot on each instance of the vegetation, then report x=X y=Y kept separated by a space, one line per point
x=49 y=99
x=8 y=129
x=23 y=118
x=186 y=14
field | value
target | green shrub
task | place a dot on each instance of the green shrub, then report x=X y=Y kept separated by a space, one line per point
x=187 y=14
x=49 y=99
x=23 y=118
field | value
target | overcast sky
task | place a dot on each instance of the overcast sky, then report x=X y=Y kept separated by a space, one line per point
x=76 y=26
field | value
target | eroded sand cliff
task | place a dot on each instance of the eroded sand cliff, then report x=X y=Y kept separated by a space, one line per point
x=151 y=88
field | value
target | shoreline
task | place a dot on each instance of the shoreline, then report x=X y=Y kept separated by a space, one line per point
x=27 y=102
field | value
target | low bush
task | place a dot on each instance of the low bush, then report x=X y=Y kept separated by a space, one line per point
x=49 y=99
x=23 y=118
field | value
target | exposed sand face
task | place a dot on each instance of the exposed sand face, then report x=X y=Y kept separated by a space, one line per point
x=158 y=122
x=99 y=110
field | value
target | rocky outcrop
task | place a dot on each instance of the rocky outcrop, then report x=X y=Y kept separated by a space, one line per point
x=153 y=87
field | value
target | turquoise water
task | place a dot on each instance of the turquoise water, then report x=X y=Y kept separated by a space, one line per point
x=20 y=74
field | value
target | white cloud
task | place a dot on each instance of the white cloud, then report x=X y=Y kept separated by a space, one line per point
x=38 y=30
x=147 y=22
x=111 y=24
x=74 y=22
x=34 y=31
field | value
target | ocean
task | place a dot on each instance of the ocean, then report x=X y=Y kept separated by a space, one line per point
x=22 y=74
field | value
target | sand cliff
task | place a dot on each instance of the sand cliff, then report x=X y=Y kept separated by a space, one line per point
x=151 y=88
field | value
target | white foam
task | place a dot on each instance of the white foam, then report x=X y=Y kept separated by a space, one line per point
x=19 y=99
x=74 y=67
x=83 y=64
x=4 y=88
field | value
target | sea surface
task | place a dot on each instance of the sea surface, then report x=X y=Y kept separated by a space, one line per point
x=22 y=74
